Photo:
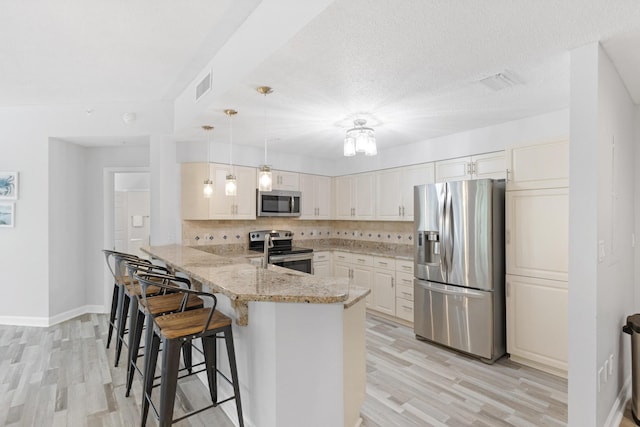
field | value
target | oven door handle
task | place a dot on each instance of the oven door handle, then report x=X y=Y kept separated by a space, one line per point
x=292 y=257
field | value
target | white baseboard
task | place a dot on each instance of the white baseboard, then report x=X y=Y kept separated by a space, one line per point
x=44 y=322
x=617 y=410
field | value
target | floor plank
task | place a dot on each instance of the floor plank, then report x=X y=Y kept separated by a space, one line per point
x=64 y=376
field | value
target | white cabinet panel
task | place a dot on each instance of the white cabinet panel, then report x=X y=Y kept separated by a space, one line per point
x=316 y=196
x=355 y=196
x=480 y=166
x=539 y=165
x=404 y=309
x=193 y=204
x=537 y=324
x=241 y=206
x=394 y=190
x=453 y=169
x=537 y=224
x=490 y=165
x=362 y=276
x=283 y=180
x=384 y=294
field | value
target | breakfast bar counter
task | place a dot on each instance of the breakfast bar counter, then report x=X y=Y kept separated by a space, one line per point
x=300 y=339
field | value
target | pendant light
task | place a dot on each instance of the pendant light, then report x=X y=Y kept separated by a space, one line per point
x=207 y=189
x=360 y=139
x=264 y=174
x=230 y=186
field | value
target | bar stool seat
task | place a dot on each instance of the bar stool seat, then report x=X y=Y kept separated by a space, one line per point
x=175 y=330
x=156 y=306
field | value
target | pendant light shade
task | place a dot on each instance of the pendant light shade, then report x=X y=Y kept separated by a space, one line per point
x=230 y=187
x=360 y=139
x=265 y=181
x=207 y=189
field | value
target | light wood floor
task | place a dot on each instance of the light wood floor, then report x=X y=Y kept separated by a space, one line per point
x=64 y=376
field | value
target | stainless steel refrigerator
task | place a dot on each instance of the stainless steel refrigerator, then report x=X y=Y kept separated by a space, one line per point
x=459 y=297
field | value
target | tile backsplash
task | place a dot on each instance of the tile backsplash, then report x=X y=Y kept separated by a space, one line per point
x=215 y=232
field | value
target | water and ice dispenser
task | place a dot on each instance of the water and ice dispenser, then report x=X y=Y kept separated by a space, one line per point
x=428 y=247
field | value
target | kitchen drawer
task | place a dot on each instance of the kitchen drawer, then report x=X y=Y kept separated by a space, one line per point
x=386 y=263
x=359 y=259
x=321 y=256
x=404 y=309
x=405 y=266
x=404 y=279
x=342 y=257
x=404 y=291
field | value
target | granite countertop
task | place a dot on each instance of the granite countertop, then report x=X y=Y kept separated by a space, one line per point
x=241 y=282
x=404 y=252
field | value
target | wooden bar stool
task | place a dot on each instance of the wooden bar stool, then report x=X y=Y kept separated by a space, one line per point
x=127 y=297
x=174 y=330
x=118 y=290
x=166 y=302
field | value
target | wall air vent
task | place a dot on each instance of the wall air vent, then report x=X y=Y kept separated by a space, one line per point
x=203 y=87
x=501 y=81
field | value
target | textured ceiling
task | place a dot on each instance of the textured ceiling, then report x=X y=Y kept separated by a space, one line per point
x=411 y=67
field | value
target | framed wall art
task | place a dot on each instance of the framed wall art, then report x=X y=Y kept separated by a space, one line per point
x=8 y=185
x=7 y=214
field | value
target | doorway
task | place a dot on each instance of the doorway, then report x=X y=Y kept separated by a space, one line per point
x=132 y=212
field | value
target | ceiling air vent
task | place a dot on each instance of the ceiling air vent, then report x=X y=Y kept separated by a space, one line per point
x=203 y=87
x=501 y=81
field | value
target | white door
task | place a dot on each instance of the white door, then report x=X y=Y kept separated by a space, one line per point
x=120 y=230
x=138 y=221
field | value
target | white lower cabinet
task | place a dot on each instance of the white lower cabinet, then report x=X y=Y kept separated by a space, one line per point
x=322 y=264
x=404 y=295
x=383 y=290
x=537 y=324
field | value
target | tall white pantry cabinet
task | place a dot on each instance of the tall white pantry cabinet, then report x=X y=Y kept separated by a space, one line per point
x=536 y=249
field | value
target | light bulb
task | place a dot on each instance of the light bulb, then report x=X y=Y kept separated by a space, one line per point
x=230 y=187
x=208 y=188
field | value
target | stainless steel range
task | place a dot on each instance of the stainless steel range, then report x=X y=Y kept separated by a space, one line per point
x=280 y=250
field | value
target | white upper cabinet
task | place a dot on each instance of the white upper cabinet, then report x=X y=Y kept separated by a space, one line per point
x=355 y=196
x=489 y=165
x=241 y=206
x=394 y=190
x=283 y=180
x=193 y=203
x=316 y=196
x=537 y=233
x=539 y=165
x=195 y=206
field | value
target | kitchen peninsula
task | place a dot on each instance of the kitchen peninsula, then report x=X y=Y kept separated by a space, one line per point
x=300 y=339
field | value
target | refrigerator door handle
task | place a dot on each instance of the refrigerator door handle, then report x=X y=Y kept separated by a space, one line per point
x=443 y=235
x=450 y=233
x=452 y=290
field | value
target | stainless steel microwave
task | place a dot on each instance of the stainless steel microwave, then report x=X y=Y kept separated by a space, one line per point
x=278 y=203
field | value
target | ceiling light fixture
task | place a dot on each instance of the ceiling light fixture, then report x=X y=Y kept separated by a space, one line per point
x=264 y=174
x=360 y=139
x=207 y=190
x=230 y=187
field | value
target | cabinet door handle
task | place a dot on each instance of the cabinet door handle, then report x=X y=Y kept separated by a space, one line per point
x=407 y=294
x=508 y=174
x=399 y=211
x=507 y=290
x=403 y=211
x=474 y=166
x=392 y=282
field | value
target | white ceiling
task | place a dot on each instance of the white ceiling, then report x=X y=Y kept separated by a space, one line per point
x=411 y=67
